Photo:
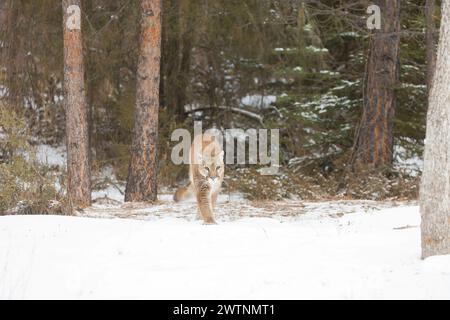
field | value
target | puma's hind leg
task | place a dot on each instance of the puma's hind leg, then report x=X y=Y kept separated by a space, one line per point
x=183 y=193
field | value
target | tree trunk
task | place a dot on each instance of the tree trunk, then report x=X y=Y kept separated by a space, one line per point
x=430 y=41
x=186 y=41
x=374 y=145
x=142 y=172
x=78 y=170
x=3 y=14
x=435 y=188
x=177 y=57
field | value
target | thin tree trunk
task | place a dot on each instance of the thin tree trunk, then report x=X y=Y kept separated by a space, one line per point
x=170 y=59
x=430 y=41
x=435 y=188
x=3 y=13
x=142 y=172
x=177 y=57
x=186 y=39
x=374 y=145
x=88 y=11
x=78 y=170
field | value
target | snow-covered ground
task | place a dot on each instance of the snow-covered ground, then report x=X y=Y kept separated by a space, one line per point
x=267 y=250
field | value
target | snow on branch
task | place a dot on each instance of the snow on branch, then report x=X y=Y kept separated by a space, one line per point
x=247 y=113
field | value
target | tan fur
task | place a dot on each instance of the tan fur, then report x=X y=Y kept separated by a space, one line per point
x=206 y=172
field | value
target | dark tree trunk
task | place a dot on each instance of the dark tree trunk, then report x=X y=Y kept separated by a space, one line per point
x=177 y=58
x=186 y=39
x=142 y=172
x=78 y=170
x=430 y=41
x=3 y=14
x=374 y=145
x=435 y=187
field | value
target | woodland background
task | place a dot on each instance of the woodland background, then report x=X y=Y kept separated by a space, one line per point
x=300 y=66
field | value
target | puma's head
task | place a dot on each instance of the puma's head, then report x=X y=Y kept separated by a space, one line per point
x=211 y=166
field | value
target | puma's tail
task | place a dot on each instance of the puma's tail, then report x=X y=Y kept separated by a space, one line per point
x=183 y=193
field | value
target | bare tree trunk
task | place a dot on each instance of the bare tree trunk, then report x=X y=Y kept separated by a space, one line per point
x=435 y=188
x=142 y=172
x=186 y=39
x=430 y=41
x=177 y=52
x=78 y=170
x=4 y=12
x=374 y=145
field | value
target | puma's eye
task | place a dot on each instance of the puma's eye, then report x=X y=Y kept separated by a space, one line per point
x=218 y=168
x=207 y=169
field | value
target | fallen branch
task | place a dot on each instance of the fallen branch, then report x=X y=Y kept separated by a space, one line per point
x=243 y=112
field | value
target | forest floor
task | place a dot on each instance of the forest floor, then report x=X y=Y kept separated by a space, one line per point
x=258 y=250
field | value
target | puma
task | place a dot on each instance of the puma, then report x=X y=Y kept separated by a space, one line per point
x=206 y=170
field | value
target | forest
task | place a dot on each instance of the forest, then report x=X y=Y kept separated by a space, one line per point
x=93 y=92
x=298 y=66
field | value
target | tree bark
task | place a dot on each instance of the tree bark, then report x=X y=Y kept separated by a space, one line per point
x=374 y=145
x=142 y=172
x=430 y=41
x=3 y=13
x=186 y=38
x=435 y=187
x=177 y=57
x=78 y=169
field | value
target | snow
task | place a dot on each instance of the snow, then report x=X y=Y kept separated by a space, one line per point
x=3 y=91
x=266 y=250
x=51 y=156
x=314 y=49
x=407 y=161
x=258 y=101
x=111 y=193
x=325 y=103
x=328 y=72
x=350 y=34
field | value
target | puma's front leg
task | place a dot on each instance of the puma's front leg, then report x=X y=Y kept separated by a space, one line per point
x=214 y=196
x=205 y=204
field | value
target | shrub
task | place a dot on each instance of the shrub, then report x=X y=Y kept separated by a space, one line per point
x=27 y=186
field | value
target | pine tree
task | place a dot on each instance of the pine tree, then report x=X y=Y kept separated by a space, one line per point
x=142 y=173
x=78 y=169
x=375 y=139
